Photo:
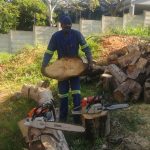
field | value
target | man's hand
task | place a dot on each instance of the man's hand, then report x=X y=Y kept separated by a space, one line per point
x=43 y=71
x=90 y=66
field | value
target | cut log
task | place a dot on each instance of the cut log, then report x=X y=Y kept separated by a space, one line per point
x=44 y=95
x=66 y=67
x=117 y=73
x=48 y=139
x=134 y=70
x=48 y=142
x=44 y=84
x=25 y=90
x=33 y=94
x=106 y=81
x=113 y=57
x=39 y=94
x=147 y=91
x=133 y=48
x=127 y=89
x=145 y=48
x=148 y=70
x=23 y=129
x=96 y=124
x=129 y=59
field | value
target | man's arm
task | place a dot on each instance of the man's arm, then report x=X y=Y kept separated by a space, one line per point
x=85 y=48
x=48 y=54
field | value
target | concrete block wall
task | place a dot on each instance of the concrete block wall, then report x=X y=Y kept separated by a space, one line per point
x=19 y=39
x=111 y=22
x=4 y=42
x=43 y=34
x=88 y=27
x=15 y=40
x=133 y=20
x=147 y=18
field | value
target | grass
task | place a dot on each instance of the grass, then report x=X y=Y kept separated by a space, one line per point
x=18 y=69
x=11 y=112
x=4 y=57
x=137 y=31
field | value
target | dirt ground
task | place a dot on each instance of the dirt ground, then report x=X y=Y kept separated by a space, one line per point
x=114 y=43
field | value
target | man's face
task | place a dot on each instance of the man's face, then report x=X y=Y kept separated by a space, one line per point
x=65 y=26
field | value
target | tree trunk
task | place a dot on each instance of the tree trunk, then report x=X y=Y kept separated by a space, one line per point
x=50 y=14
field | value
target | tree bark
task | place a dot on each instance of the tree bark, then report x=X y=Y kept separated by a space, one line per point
x=134 y=70
x=147 y=91
x=129 y=59
x=127 y=88
x=117 y=73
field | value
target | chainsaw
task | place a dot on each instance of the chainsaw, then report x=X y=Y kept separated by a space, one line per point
x=44 y=116
x=94 y=104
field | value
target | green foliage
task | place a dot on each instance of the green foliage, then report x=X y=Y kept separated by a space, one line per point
x=94 y=4
x=22 y=68
x=94 y=44
x=30 y=13
x=4 y=57
x=136 y=31
x=8 y=16
x=10 y=113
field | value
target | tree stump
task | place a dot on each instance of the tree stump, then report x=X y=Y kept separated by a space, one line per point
x=96 y=125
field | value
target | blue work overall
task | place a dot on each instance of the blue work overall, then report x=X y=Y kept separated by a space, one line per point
x=66 y=42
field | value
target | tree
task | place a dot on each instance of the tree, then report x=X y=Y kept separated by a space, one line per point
x=111 y=7
x=8 y=16
x=31 y=12
x=66 y=5
x=52 y=4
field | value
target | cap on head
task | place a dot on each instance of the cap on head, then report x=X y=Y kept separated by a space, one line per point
x=66 y=20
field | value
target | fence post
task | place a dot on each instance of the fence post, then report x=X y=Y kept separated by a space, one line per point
x=34 y=36
x=10 y=42
x=103 y=24
x=80 y=25
x=124 y=21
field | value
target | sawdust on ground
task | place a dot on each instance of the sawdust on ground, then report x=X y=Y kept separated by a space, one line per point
x=115 y=43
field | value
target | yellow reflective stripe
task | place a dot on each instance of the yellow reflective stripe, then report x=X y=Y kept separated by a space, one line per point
x=49 y=52
x=63 y=95
x=84 y=46
x=75 y=92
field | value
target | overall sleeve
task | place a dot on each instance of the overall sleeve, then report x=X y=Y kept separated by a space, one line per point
x=85 y=48
x=49 y=52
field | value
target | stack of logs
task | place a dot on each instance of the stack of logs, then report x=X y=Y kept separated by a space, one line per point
x=129 y=71
x=41 y=139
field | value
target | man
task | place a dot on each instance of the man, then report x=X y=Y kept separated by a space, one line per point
x=67 y=42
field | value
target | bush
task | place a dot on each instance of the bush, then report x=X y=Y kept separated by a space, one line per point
x=136 y=31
